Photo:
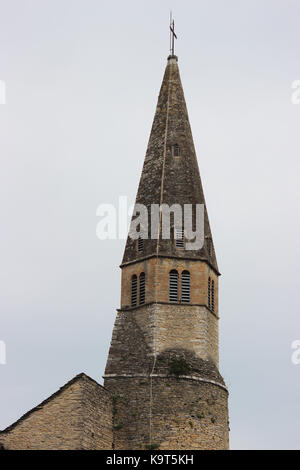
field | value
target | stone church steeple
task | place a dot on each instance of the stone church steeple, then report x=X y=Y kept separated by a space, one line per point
x=162 y=386
x=170 y=173
x=162 y=368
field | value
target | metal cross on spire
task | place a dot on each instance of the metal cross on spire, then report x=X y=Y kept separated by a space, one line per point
x=172 y=34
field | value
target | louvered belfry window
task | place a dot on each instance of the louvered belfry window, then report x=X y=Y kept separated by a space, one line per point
x=142 y=288
x=173 y=286
x=140 y=244
x=134 y=291
x=185 y=287
x=213 y=295
x=176 y=151
x=209 y=293
x=179 y=237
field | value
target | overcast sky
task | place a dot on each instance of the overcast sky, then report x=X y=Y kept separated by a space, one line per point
x=82 y=79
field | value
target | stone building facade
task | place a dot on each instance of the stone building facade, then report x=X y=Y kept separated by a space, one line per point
x=162 y=386
x=77 y=416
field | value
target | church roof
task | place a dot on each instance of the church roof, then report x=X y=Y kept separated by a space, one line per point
x=78 y=378
x=170 y=179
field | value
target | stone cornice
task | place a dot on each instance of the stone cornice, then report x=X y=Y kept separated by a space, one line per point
x=187 y=258
x=177 y=304
x=164 y=376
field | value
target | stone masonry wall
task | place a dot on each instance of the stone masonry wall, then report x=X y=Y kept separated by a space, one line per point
x=185 y=414
x=78 y=416
x=190 y=327
x=168 y=326
x=96 y=418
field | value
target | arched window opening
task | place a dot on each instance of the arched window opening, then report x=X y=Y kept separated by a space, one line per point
x=213 y=295
x=173 y=286
x=142 y=288
x=179 y=237
x=209 y=293
x=176 y=152
x=134 y=291
x=185 y=287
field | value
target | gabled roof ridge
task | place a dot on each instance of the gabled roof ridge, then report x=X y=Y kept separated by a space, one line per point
x=77 y=377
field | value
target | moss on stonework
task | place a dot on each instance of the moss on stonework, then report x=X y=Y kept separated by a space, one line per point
x=115 y=400
x=178 y=367
x=152 y=446
x=118 y=426
x=161 y=359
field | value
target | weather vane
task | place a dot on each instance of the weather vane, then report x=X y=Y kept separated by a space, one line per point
x=172 y=34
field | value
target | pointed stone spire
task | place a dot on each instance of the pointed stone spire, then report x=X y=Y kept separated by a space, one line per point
x=170 y=173
x=162 y=368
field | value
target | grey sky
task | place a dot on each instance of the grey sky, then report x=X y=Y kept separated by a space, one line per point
x=82 y=79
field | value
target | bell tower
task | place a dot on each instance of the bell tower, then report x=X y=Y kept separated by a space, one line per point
x=162 y=367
